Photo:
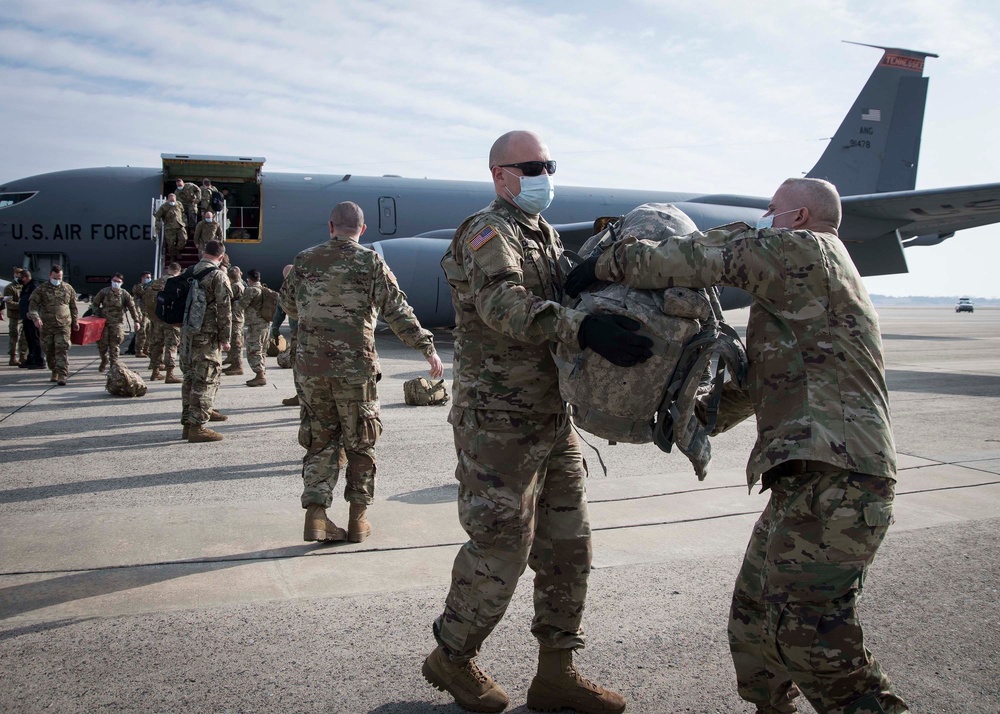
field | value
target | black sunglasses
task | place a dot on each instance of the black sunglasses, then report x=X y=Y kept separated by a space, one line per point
x=533 y=168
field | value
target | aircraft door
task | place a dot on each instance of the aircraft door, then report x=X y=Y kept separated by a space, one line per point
x=41 y=263
x=386 y=215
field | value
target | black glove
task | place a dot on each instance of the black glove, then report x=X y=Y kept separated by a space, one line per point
x=581 y=277
x=613 y=338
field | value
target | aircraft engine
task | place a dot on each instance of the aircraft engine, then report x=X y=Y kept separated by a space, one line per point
x=416 y=263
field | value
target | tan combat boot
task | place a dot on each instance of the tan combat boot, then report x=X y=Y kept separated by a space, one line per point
x=185 y=432
x=473 y=689
x=104 y=365
x=319 y=527
x=291 y=401
x=13 y=361
x=171 y=379
x=259 y=381
x=358 y=527
x=156 y=374
x=54 y=377
x=199 y=435
x=558 y=685
x=216 y=416
x=235 y=369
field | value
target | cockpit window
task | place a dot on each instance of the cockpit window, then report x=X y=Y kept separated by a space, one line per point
x=9 y=199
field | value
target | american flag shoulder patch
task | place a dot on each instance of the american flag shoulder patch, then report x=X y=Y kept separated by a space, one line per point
x=482 y=237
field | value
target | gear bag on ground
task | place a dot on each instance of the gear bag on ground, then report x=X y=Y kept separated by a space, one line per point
x=421 y=392
x=123 y=382
x=693 y=349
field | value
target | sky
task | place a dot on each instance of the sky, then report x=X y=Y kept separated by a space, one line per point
x=718 y=96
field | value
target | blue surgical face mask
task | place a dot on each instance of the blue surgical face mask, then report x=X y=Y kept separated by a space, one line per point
x=536 y=194
x=116 y=285
x=768 y=221
x=55 y=282
x=208 y=219
x=147 y=281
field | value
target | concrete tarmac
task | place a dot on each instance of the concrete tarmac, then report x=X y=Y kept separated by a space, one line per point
x=142 y=573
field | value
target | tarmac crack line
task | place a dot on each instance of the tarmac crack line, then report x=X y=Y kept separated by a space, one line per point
x=405 y=548
x=39 y=396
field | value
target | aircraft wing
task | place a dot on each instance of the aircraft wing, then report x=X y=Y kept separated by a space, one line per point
x=877 y=226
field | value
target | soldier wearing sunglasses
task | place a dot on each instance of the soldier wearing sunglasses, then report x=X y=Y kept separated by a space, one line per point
x=522 y=498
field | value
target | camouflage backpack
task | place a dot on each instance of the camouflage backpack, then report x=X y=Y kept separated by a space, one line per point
x=654 y=401
x=420 y=392
x=123 y=382
x=268 y=303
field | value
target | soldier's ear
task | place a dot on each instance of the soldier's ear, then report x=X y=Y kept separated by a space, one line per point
x=364 y=227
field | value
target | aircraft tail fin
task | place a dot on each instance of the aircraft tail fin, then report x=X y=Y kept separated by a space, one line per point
x=877 y=146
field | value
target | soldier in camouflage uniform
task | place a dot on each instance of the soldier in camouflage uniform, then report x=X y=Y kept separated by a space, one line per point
x=142 y=324
x=163 y=338
x=521 y=474
x=824 y=445
x=53 y=311
x=336 y=290
x=170 y=219
x=111 y=304
x=257 y=329
x=293 y=325
x=235 y=356
x=207 y=191
x=190 y=197
x=18 y=347
x=201 y=350
x=206 y=230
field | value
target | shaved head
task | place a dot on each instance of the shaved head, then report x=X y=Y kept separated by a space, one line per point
x=347 y=220
x=819 y=196
x=510 y=147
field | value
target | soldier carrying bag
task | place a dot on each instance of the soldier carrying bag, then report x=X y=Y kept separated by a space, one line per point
x=174 y=300
x=693 y=349
x=420 y=392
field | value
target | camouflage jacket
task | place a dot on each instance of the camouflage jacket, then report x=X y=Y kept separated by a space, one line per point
x=817 y=376
x=239 y=290
x=190 y=195
x=506 y=289
x=218 y=321
x=55 y=305
x=139 y=294
x=170 y=216
x=335 y=290
x=204 y=232
x=205 y=203
x=152 y=290
x=250 y=304
x=112 y=305
x=13 y=294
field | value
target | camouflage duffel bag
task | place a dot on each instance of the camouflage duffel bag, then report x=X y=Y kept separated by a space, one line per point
x=123 y=382
x=275 y=347
x=420 y=392
x=285 y=358
x=654 y=401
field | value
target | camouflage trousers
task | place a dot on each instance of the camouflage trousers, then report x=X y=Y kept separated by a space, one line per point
x=55 y=345
x=522 y=499
x=163 y=342
x=110 y=343
x=174 y=239
x=141 y=334
x=201 y=362
x=257 y=339
x=18 y=345
x=337 y=418
x=793 y=626
x=236 y=338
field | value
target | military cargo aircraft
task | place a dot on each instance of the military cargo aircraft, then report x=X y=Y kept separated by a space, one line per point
x=98 y=221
